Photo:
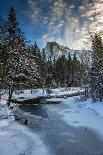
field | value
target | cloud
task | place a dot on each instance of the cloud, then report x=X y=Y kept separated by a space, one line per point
x=35 y=10
x=91 y=17
x=58 y=9
x=45 y=20
x=93 y=14
x=56 y=23
x=64 y=27
x=69 y=24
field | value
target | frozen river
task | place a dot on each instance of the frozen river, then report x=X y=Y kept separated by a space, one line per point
x=61 y=138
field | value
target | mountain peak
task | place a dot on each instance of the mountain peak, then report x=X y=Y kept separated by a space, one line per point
x=54 y=49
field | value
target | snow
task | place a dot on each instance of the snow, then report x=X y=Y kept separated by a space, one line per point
x=39 y=93
x=4 y=111
x=28 y=95
x=83 y=114
x=16 y=138
x=55 y=100
x=96 y=106
x=19 y=140
x=65 y=91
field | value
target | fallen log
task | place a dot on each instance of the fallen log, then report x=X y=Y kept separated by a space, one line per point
x=66 y=95
x=42 y=99
x=28 y=101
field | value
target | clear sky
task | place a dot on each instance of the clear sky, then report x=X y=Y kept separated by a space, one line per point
x=65 y=21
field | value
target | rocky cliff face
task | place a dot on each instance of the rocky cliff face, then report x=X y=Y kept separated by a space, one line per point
x=53 y=49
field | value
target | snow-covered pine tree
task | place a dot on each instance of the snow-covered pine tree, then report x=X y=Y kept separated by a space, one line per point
x=49 y=78
x=22 y=67
x=85 y=71
x=43 y=74
x=56 y=71
x=75 y=71
x=34 y=51
x=69 y=70
x=96 y=83
x=61 y=71
x=31 y=69
x=16 y=51
x=3 y=56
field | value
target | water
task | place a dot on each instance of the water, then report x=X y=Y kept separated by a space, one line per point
x=34 y=110
x=39 y=109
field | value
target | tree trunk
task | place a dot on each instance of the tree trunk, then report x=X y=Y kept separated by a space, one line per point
x=10 y=95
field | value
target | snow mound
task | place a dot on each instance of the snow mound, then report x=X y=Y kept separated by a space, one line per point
x=97 y=107
x=5 y=113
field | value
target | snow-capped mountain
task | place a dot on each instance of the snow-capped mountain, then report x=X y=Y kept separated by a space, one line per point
x=54 y=49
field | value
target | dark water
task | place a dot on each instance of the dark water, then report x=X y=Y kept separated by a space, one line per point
x=34 y=110
x=38 y=110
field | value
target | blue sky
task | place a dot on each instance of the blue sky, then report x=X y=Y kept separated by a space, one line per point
x=68 y=22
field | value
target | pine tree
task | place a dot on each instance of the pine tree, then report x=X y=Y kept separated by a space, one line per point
x=16 y=47
x=85 y=71
x=56 y=71
x=97 y=48
x=61 y=71
x=31 y=70
x=55 y=81
x=3 y=64
x=22 y=63
x=35 y=52
x=3 y=56
x=49 y=79
x=96 y=83
x=69 y=70
x=43 y=70
x=75 y=70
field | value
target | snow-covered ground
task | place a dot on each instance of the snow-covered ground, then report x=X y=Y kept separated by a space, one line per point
x=64 y=91
x=16 y=139
x=84 y=113
x=26 y=94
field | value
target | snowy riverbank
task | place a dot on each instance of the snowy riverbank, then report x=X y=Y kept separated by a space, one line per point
x=28 y=94
x=16 y=139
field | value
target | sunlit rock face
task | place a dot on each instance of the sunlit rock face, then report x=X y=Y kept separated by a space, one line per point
x=54 y=49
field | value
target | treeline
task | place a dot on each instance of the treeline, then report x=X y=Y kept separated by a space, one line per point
x=63 y=71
